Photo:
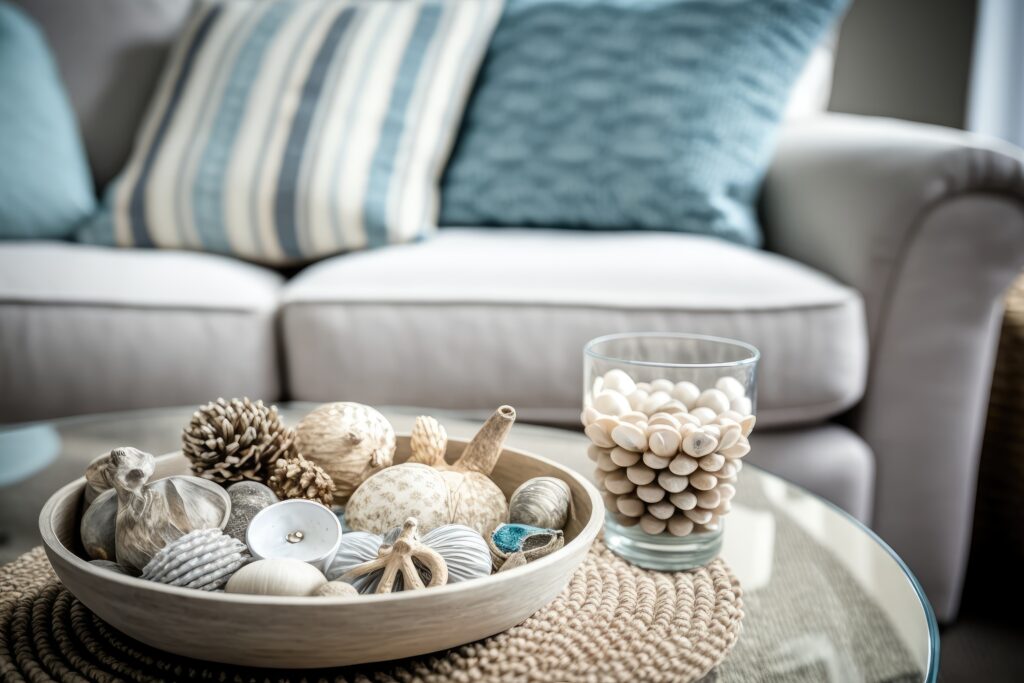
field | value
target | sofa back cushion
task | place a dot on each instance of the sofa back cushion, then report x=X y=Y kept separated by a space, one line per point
x=283 y=131
x=45 y=187
x=110 y=54
x=620 y=114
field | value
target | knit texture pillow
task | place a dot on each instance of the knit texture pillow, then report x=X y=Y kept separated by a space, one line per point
x=45 y=186
x=288 y=130
x=630 y=114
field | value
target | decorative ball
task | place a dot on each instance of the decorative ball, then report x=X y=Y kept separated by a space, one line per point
x=350 y=441
x=276 y=577
x=247 y=499
x=236 y=440
x=336 y=589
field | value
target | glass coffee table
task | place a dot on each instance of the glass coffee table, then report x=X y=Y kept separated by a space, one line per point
x=825 y=599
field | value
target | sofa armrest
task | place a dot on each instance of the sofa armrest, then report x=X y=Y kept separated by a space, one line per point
x=928 y=224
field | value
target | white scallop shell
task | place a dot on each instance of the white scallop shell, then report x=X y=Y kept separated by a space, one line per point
x=204 y=559
x=277 y=577
x=542 y=502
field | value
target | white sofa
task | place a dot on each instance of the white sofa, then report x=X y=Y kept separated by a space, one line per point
x=876 y=306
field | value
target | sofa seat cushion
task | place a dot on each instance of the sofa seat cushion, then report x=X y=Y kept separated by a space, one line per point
x=93 y=329
x=479 y=317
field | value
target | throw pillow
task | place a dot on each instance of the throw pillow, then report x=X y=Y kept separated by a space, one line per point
x=288 y=130
x=622 y=114
x=45 y=186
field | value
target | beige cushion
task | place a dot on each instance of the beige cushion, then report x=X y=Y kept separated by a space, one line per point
x=478 y=317
x=89 y=329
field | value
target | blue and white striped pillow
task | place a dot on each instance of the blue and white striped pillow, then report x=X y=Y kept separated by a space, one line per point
x=287 y=130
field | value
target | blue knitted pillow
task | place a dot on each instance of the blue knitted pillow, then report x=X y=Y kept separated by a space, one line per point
x=622 y=114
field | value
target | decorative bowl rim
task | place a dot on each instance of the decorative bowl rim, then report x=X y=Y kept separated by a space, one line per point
x=53 y=545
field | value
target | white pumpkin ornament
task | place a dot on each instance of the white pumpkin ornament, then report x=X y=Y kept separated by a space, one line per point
x=434 y=492
x=350 y=441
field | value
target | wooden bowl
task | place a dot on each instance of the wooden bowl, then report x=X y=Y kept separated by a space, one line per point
x=288 y=632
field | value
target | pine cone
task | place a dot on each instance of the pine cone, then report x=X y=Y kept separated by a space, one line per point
x=236 y=440
x=296 y=477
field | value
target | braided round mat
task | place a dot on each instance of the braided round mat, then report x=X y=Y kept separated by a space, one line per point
x=613 y=622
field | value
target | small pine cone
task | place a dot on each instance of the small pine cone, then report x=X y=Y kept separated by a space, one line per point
x=236 y=440
x=297 y=477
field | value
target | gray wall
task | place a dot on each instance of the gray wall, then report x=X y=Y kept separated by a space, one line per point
x=908 y=59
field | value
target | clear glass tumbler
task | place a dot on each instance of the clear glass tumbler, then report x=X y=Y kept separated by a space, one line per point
x=669 y=416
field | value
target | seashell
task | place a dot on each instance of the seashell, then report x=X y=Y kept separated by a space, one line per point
x=640 y=474
x=656 y=462
x=278 y=576
x=661 y=510
x=653 y=403
x=513 y=545
x=684 y=500
x=687 y=393
x=714 y=399
x=727 y=491
x=350 y=441
x=598 y=435
x=731 y=387
x=730 y=416
x=634 y=417
x=650 y=493
x=624 y=458
x=674 y=407
x=605 y=462
x=704 y=414
x=598 y=386
x=699 y=442
x=618 y=483
x=296 y=529
x=99 y=527
x=203 y=559
x=699 y=515
x=709 y=500
x=630 y=505
x=652 y=525
x=637 y=398
x=682 y=465
x=664 y=385
x=611 y=403
x=617 y=380
x=149 y=515
x=630 y=437
x=737 y=450
x=336 y=589
x=663 y=440
x=247 y=499
x=112 y=566
x=703 y=481
x=712 y=462
x=747 y=424
x=680 y=525
x=541 y=502
x=672 y=483
x=664 y=419
x=687 y=419
x=730 y=435
x=588 y=416
x=644 y=386
x=742 y=405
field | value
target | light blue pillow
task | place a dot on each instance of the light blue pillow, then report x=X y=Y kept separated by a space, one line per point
x=630 y=114
x=46 y=189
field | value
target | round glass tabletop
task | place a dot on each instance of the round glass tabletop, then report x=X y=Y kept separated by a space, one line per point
x=825 y=599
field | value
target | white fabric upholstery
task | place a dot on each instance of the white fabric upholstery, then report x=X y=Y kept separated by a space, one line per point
x=928 y=223
x=89 y=329
x=479 y=317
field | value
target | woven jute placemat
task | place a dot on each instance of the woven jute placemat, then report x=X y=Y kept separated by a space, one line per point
x=613 y=622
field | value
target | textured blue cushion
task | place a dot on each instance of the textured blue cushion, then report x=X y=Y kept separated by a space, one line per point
x=621 y=114
x=45 y=185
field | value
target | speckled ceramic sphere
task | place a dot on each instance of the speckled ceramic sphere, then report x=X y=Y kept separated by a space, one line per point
x=389 y=497
x=247 y=499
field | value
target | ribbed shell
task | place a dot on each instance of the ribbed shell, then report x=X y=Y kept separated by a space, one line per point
x=204 y=559
x=465 y=552
x=541 y=502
